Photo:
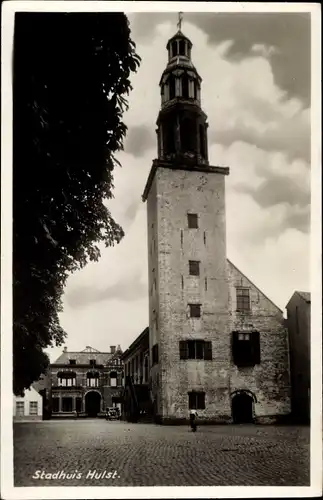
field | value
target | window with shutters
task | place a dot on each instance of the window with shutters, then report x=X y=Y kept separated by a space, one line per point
x=192 y=221
x=195 y=349
x=246 y=348
x=243 y=300
x=196 y=400
x=194 y=267
x=195 y=310
x=155 y=354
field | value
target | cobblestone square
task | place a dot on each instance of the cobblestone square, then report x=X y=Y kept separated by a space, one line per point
x=123 y=454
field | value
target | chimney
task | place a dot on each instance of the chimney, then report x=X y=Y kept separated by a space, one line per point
x=65 y=349
x=112 y=349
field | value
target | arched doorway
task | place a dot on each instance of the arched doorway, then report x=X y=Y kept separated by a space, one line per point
x=242 y=407
x=92 y=403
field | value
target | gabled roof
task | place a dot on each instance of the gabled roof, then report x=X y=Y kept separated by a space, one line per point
x=305 y=295
x=83 y=357
x=230 y=263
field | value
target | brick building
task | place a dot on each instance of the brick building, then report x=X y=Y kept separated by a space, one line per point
x=216 y=342
x=299 y=331
x=86 y=382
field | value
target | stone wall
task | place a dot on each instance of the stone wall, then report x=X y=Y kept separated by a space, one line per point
x=180 y=192
x=269 y=381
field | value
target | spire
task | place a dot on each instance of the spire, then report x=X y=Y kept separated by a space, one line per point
x=181 y=122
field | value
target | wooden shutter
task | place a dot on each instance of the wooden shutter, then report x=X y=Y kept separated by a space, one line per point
x=256 y=347
x=182 y=349
x=200 y=401
x=208 y=350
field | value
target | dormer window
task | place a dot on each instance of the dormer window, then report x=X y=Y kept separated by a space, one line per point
x=92 y=362
x=72 y=361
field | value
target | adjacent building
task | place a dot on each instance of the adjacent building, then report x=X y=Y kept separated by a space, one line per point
x=216 y=342
x=28 y=407
x=86 y=382
x=299 y=331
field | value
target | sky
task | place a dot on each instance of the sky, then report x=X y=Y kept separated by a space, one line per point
x=256 y=93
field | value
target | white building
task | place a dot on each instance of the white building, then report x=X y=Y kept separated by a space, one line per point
x=28 y=407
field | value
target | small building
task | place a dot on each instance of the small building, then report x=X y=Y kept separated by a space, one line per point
x=28 y=407
x=86 y=383
x=137 y=397
x=299 y=332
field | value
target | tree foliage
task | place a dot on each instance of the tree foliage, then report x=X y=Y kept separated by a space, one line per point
x=71 y=79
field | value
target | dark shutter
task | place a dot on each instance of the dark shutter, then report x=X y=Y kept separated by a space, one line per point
x=192 y=400
x=182 y=349
x=200 y=401
x=256 y=347
x=191 y=347
x=207 y=350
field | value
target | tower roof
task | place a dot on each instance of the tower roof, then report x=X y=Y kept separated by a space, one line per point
x=179 y=36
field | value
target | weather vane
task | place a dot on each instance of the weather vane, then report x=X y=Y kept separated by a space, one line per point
x=180 y=18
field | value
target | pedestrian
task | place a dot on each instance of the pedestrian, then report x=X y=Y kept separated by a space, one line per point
x=193 y=420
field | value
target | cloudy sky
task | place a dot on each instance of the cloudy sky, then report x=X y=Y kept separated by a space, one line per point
x=256 y=93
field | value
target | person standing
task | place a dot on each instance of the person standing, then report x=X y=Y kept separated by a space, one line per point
x=193 y=420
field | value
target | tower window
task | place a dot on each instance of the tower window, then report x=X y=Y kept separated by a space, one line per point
x=196 y=400
x=246 y=348
x=182 y=48
x=195 y=310
x=243 y=300
x=174 y=48
x=188 y=135
x=195 y=349
x=194 y=267
x=185 y=92
x=192 y=221
x=171 y=87
x=169 y=139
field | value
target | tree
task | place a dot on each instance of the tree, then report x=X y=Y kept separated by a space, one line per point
x=71 y=78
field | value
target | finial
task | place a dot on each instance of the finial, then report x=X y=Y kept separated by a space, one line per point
x=180 y=18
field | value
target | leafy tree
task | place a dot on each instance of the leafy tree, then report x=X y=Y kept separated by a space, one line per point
x=71 y=79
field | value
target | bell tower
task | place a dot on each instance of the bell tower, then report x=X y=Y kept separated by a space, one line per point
x=182 y=125
x=188 y=284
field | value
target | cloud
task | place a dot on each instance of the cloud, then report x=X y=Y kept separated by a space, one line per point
x=127 y=289
x=138 y=139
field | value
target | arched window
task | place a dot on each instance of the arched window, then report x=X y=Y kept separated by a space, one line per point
x=169 y=139
x=171 y=87
x=188 y=135
x=185 y=86
x=66 y=379
x=92 y=379
x=182 y=47
x=113 y=379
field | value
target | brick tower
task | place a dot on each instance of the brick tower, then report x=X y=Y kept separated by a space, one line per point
x=188 y=284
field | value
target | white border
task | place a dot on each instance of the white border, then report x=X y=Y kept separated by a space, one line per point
x=15 y=493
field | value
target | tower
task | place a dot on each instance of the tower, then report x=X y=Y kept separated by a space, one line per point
x=188 y=285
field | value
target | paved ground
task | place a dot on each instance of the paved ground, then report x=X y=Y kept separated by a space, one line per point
x=151 y=455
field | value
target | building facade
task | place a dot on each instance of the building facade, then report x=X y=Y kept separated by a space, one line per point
x=28 y=407
x=299 y=331
x=86 y=383
x=216 y=343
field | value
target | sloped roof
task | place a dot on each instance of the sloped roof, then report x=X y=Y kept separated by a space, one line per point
x=83 y=357
x=273 y=303
x=305 y=295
